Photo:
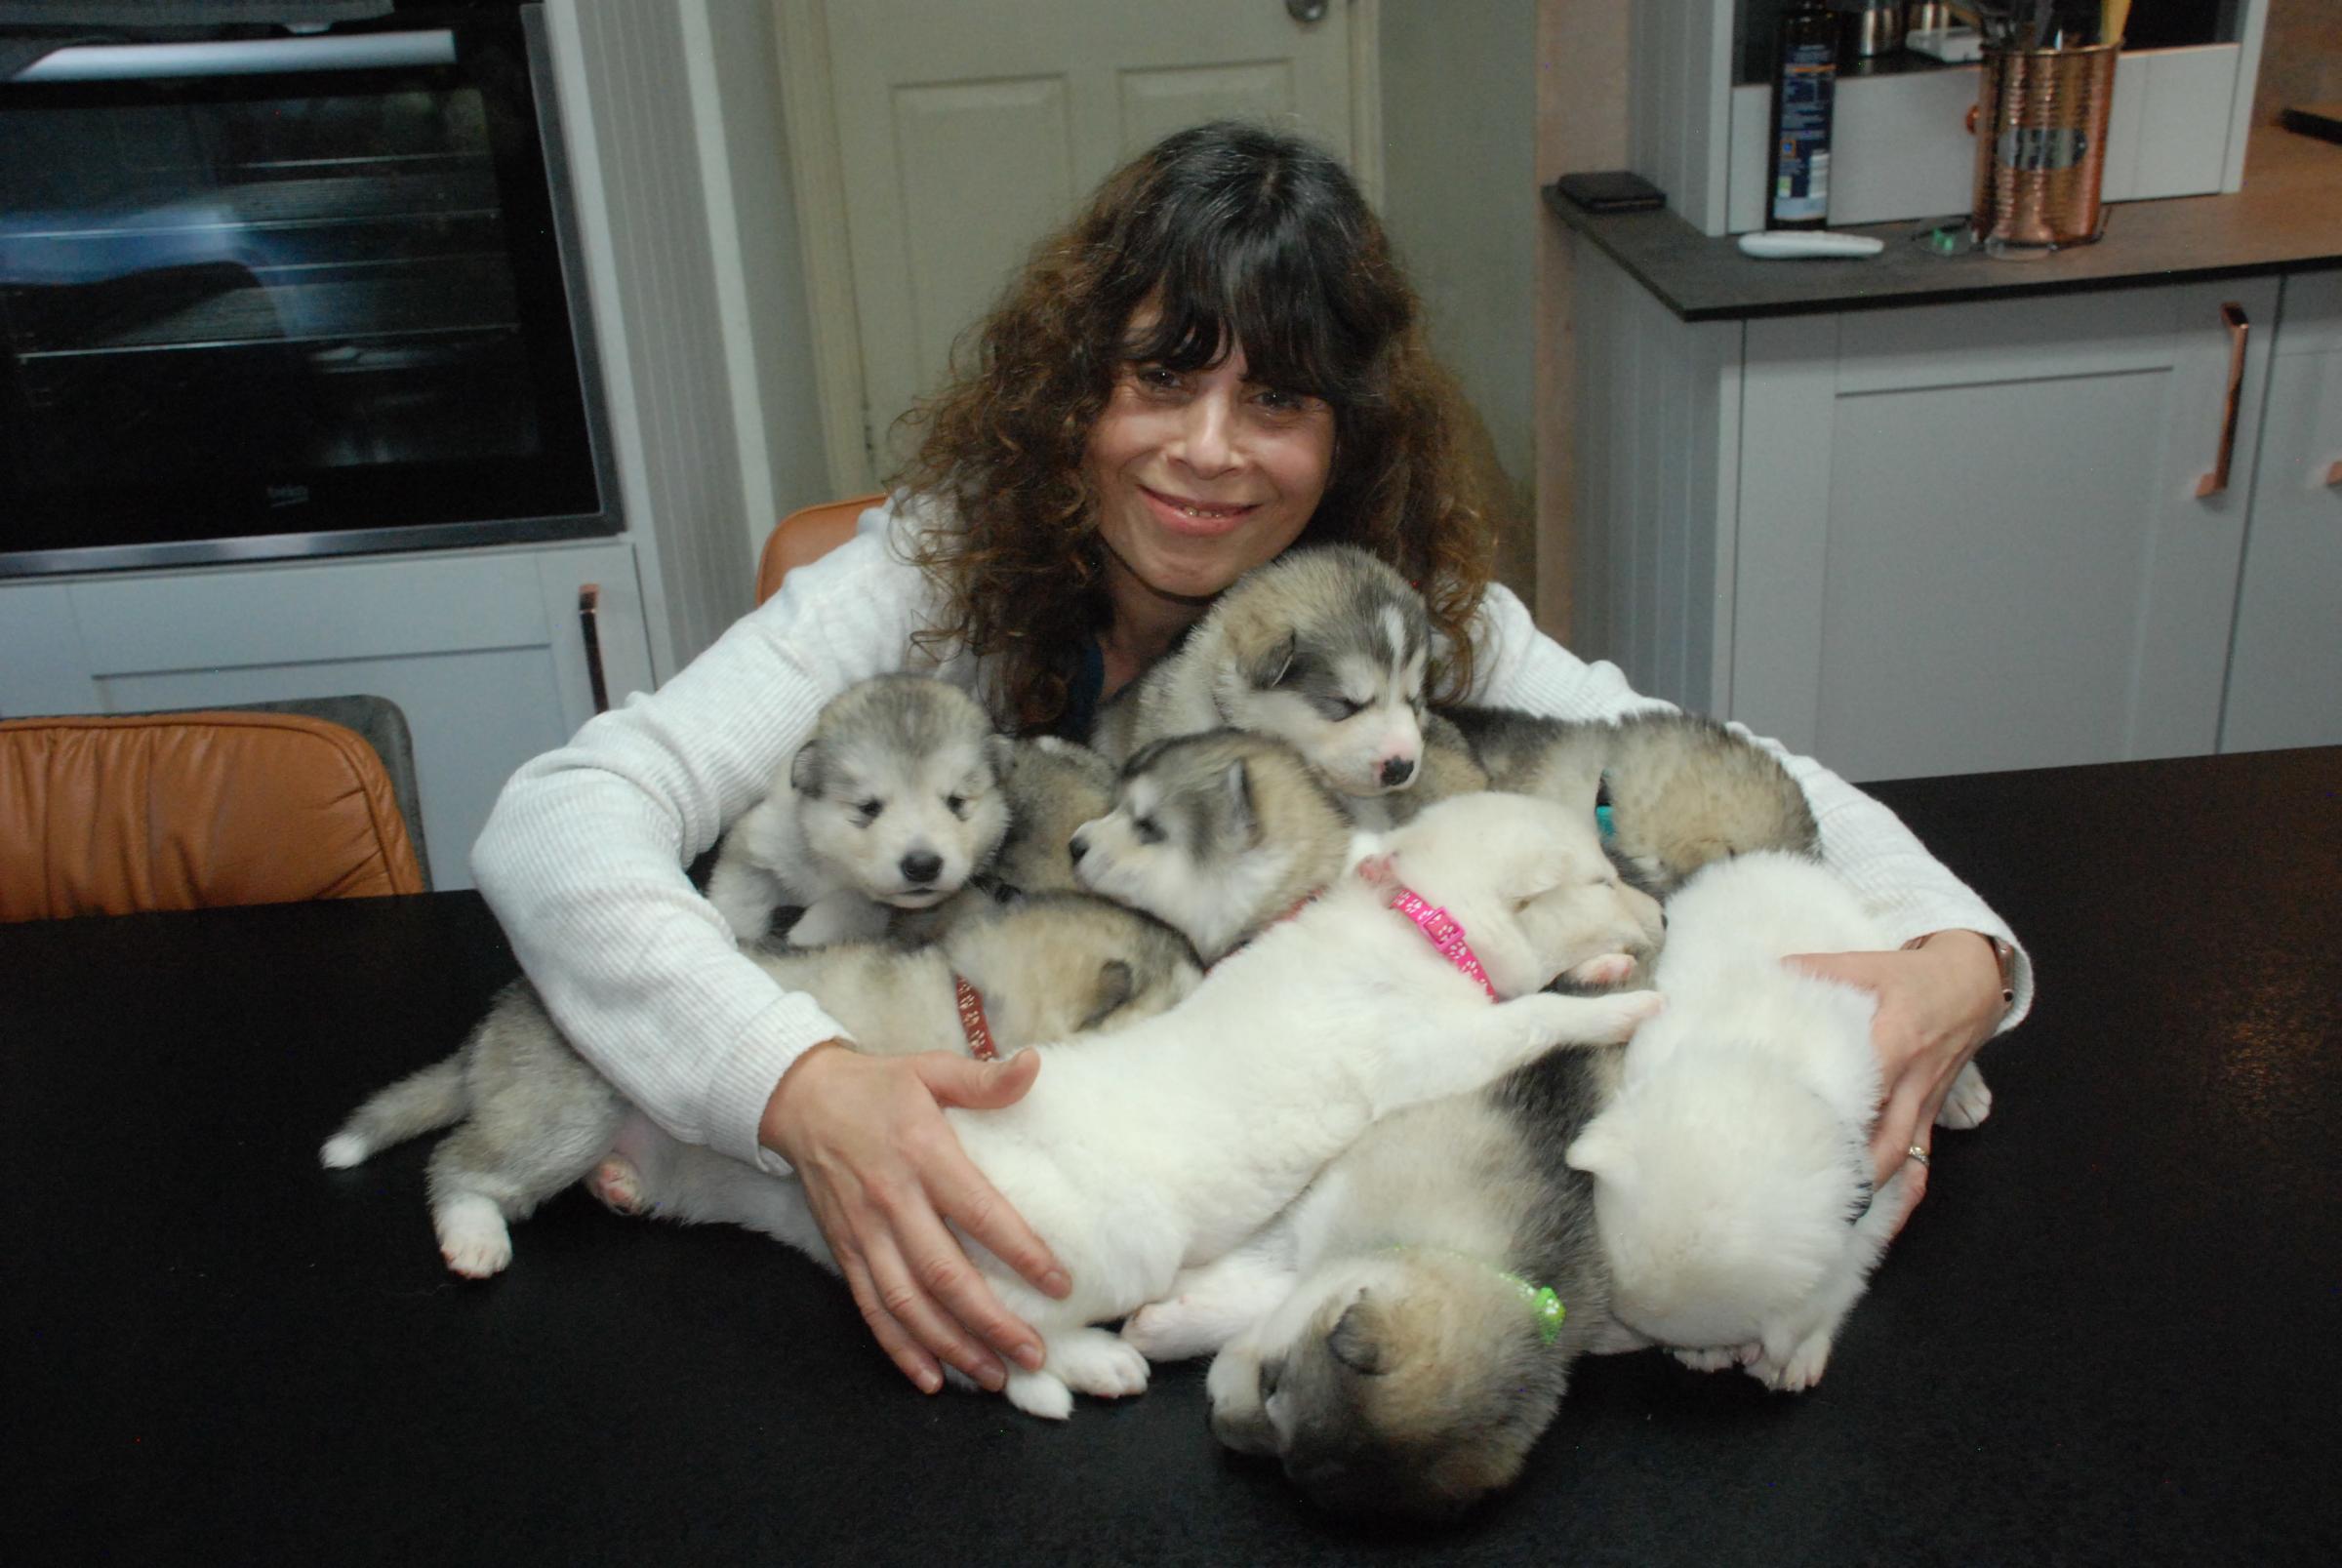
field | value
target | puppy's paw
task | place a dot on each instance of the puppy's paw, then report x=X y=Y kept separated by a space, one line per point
x=1039 y=1394
x=1616 y=1017
x=1597 y=974
x=1968 y=1104
x=617 y=1185
x=1798 y=1371
x=473 y=1237
x=1722 y=1359
x=1095 y=1362
x=343 y=1150
x=1162 y=1331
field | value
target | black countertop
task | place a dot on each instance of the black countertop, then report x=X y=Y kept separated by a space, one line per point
x=2105 y=1338
x=2287 y=217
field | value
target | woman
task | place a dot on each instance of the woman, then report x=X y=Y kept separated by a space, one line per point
x=1217 y=359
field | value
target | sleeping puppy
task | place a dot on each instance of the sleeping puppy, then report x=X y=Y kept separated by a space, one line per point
x=1324 y=647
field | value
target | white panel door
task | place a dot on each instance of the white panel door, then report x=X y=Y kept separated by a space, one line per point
x=967 y=132
x=1970 y=536
x=2284 y=678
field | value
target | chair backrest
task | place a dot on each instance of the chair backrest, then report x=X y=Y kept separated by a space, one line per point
x=806 y=534
x=111 y=815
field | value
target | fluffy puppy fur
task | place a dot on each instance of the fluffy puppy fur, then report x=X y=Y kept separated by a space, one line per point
x=893 y=802
x=1732 y=1172
x=1381 y=1341
x=535 y=1116
x=1683 y=791
x=1178 y=1138
x=1324 y=647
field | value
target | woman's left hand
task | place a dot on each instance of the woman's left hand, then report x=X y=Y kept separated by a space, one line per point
x=1936 y=1005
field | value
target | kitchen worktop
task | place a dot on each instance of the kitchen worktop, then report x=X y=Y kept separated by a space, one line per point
x=2287 y=217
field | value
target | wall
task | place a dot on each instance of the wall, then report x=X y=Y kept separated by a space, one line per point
x=1460 y=200
x=2301 y=57
x=1581 y=125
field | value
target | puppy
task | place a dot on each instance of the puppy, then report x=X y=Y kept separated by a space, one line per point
x=1052 y=786
x=1177 y=1137
x=1403 y=1335
x=1324 y=647
x=536 y=1117
x=1731 y=1175
x=1680 y=790
x=894 y=801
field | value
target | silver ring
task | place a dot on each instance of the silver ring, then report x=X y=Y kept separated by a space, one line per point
x=1914 y=1152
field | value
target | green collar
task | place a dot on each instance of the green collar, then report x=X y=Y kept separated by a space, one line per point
x=1543 y=1303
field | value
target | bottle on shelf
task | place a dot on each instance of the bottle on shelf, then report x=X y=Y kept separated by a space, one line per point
x=1797 y=188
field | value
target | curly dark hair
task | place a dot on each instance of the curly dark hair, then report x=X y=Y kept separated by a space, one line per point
x=1234 y=234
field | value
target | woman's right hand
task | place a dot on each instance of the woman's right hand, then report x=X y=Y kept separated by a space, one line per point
x=883 y=1172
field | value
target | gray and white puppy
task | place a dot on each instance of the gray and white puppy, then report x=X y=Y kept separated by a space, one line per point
x=1682 y=790
x=536 y=1117
x=1389 y=1339
x=1325 y=647
x=1052 y=787
x=893 y=802
x=1222 y=833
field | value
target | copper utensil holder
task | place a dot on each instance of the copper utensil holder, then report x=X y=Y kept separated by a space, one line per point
x=2041 y=145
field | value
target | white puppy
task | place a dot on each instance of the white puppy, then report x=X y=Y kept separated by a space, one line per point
x=1173 y=1141
x=1732 y=1173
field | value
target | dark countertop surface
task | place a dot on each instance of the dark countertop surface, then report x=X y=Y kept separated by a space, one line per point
x=2107 y=1336
x=2288 y=215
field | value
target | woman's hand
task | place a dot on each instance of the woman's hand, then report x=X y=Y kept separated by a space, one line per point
x=1936 y=1005
x=882 y=1172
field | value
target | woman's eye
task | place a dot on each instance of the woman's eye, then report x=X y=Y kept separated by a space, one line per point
x=1156 y=378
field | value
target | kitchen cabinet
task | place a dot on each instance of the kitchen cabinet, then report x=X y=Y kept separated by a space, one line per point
x=2284 y=672
x=481 y=649
x=1970 y=536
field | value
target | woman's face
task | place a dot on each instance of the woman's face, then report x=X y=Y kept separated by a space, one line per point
x=1201 y=475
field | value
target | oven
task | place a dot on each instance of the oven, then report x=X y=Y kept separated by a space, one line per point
x=268 y=293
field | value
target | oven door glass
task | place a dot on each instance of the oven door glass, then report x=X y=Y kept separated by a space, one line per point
x=295 y=299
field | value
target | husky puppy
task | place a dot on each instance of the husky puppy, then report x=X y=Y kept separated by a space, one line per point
x=1052 y=787
x=1682 y=790
x=1222 y=833
x=1324 y=647
x=1391 y=1338
x=536 y=1117
x=1731 y=1174
x=894 y=801
x=1178 y=1138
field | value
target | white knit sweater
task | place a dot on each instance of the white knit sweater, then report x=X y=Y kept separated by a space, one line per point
x=582 y=858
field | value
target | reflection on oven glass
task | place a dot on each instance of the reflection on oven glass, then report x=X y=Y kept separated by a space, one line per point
x=332 y=270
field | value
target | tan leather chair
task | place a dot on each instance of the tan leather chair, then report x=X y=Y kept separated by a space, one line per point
x=186 y=811
x=806 y=534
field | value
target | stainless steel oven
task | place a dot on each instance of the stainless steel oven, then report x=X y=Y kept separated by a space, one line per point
x=271 y=293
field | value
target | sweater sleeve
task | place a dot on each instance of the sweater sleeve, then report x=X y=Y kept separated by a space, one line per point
x=1909 y=891
x=582 y=858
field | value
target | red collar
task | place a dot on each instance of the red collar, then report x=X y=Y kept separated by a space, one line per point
x=971 y=1021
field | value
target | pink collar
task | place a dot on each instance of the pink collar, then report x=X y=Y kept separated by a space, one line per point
x=1444 y=932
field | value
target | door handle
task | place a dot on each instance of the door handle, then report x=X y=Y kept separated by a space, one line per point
x=1306 y=11
x=2232 y=316
x=590 y=610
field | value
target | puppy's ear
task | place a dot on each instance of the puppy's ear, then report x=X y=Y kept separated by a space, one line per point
x=1235 y=786
x=1359 y=1340
x=1269 y=669
x=805 y=769
x=1001 y=752
x=1117 y=985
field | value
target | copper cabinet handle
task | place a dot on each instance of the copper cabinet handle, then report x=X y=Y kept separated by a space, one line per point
x=589 y=610
x=2232 y=316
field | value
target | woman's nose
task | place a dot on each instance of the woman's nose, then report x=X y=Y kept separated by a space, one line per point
x=1205 y=442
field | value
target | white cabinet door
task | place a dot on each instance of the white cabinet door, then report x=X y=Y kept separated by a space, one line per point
x=2284 y=678
x=1970 y=536
x=482 y=651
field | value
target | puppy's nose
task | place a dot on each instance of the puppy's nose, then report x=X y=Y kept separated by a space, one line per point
x=1077 y=848
x=921 y=865
x=1398 y=771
